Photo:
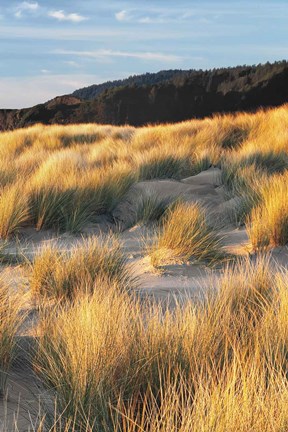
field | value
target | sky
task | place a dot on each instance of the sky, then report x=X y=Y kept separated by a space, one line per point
x=53 y=47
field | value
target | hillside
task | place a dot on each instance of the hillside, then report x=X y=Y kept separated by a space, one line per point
x=190 y=94
x=91 y=92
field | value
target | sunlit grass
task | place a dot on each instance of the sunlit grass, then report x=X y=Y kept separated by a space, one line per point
x=115 y=363
x=71 y=174
x=14 y=210
x=219 y=366
x=11 y=320
x=64 y=274
x=186 y=235
x=268 y=224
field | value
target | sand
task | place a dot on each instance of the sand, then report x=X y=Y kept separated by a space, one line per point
x=173 y=284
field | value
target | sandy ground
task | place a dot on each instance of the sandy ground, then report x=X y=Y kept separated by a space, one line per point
x=173 y=284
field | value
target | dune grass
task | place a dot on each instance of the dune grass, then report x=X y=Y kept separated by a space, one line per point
x=243 y=185
x=14 y=210
x=68 y=175
x=10 y=321
x=268 y=224
x=150 y=208
x=156 y=165
x=112 y=362
x=271 y=162
x=185 y=235
x=63 y=274
x=217 y=366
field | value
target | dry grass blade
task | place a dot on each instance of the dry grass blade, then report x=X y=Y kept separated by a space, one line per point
x=14 y=210
x=268 y=224
x=186 y=235
x=63 y=274
x=219 y=366
x=10 y=321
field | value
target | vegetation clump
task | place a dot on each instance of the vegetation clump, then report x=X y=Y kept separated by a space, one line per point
x=11 y=319
x=185 y=235
x=268 y=223
x=220 y=365
x=112 y=361
x=64 y=274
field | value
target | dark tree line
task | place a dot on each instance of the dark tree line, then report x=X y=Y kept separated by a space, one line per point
x=244 y=75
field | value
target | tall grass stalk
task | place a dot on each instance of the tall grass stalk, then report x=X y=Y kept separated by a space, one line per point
x=63 y=274
x=186 y=235
x=268 y=224
x=220 y=365
x=11 y=320
x=14 y=210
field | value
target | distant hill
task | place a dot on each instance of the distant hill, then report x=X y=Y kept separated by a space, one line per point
x=91 y=92
x=166 y=96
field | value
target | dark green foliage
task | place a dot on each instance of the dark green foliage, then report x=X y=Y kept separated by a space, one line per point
x=168 y=167
x=81 y=139
x=234 y=138
x=270 y=162
x=151 y=208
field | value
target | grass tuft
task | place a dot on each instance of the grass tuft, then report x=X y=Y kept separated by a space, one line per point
x=185 y=235
x=220 y=365
x=10 y=321
x=150 y=208
x=268 y=224
x=64 y=274
x=14 y=210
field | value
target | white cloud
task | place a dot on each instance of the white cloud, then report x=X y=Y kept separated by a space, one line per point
x=90 y=33
x=123 y=15
x=26 y=7
x=157 y=16
x=60 y=15
x=187 y=14
x=105 y=53
x=72 y=63
x=150 y=20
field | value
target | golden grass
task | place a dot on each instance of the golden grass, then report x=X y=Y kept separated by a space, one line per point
x=10 y=321
x=150 y=208
x=268 y=224
x=218 y=366
x=70 y=174
x=114 y=364
x=64 y=274
x=186 y=235
x=14 y=210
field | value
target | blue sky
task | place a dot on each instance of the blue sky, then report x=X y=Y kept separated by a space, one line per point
x=53 y=47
